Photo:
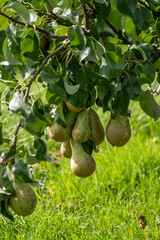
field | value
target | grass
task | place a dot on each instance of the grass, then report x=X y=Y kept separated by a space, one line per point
x=106 y=205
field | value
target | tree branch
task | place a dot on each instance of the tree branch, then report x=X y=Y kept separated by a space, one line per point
x=41 y=30
x=157 y=14
x=118 y=32
x=14 y=143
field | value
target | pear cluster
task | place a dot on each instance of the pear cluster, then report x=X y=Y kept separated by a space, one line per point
x=82 y=124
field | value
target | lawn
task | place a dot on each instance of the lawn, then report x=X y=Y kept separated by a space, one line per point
x=106 y=205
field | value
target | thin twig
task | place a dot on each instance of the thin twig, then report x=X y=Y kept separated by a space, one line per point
x=41 y=30
x=13 y=146
x=157 y=14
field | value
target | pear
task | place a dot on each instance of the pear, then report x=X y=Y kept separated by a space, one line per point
x=60 y=133
x=66 y=149
x=118 y=130
x=82 y=163
x=81 y=130
x=73 y=108
x=25 y=201
x=97 y=130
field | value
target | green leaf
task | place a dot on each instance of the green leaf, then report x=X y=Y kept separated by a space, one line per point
x=3 y=23
x=86 y=78
x=19 y=105
x=2 y=2
x=56 y=93
x=4 y=210
x=21 y=10
x=129 y=27
x=144 y=50
x=79 y=99
x=31 y=159
x=103 y=9
x=41 y=147
x=132 y=86
x=22 y=172
x=7 y=180
x=149 y=105
x=142 y=18
x=121 y=103
x=127 y=7
x=7 y=53
x=146 y=72
x=49 y=75
x=4 y=194
x=77 y=37
x=70 y=89
x=112 y=65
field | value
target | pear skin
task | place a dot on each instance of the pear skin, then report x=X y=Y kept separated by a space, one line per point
x=25 y=201
x=60 y=133
x=81 y=130
x=97 y=130
x=82 y=164
x=66 y=149
x=118 y=130
x=73 y=108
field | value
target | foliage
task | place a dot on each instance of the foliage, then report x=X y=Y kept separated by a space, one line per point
x=99 y=52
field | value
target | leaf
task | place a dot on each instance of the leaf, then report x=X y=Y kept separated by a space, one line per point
x=7 y=53
x=103 y=9
x=79 y=99
x=21 y=10
x=129 y=27
x=49 y=75
x=3 y=23
x=4 y=210
x=86 y=78
x=127 y=7
x=149 y=105
x=146 y=72
x=142 y=18
x=143 y=49
x=132 y=86
x=41 y=147
x=122 y=102
x=31 y=159
x=2 y=2
x=22 y=172
x=19 y=105
x=71 y=89
x=4 y=194
x=77 y=37
x=7 y=180
x=112 y=65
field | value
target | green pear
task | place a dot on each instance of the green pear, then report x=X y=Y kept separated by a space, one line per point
x=25 y=201
x=97 y=130
x=81 y=130
x=66 y=149
x=82 y=163
x=118 y=130
x=60 y=133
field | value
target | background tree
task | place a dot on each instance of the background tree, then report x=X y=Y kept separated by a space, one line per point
x=86 y=53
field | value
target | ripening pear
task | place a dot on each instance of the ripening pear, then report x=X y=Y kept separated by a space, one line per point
x=118 y=130
x=66 y=149
x=81 y=130
x=73 y=108
x=97 y=130
x=25 y=201
x=60 y=133
x=82 y=164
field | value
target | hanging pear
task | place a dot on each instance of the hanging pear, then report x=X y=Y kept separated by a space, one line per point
x=82 y=164
x=81 y=130
x=25 y=201
x=97 y=130
x=60 y=133
x=118 y=130
x=66 y=149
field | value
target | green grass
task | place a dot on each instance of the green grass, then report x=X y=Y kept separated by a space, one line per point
x=106 y=205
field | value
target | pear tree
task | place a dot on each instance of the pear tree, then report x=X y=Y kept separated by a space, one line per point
x=59 y=61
